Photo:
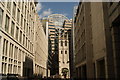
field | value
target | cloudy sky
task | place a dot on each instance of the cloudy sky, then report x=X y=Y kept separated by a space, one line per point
x=46 y=8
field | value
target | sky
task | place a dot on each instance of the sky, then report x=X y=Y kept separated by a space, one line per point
x=47 y=8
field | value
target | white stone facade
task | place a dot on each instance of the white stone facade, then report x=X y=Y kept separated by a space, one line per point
x=64 y=55
x=18 y=28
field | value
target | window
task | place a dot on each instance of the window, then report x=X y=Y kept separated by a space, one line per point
x=18 y=15
x=12 y=28
x=61 y=43
x=8 y=68
x=14 y=69
x=4 y=68
x=11 y=50
x=7 y=23
x=32 y=47
x=23 y=7
x=29 y=31
x=14 y=10
x=17 y=30
x=25 y=10
x=61 y=52
x=21 y=20
x=62 y=56
x=26 y=41
x=20 y=36
x=19 y=3
x=65 y=43
x=65 y=52
x=15 y=52
x=5 y=47
x=24 y=24
x=27 y=28
x=23 y=39
x=28 y=16
x=33 y=26
x=9 y=5
x=1 y=17
x=19 y=70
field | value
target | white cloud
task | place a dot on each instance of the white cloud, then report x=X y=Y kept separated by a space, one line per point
x=65 y=14
x=46 y=13
x=39 y=7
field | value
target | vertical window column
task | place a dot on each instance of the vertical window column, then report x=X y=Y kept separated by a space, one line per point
x=18 y=15
x=20 y=37
x=14 y=10
x=24 y=24
x=21 y=20
x=9 y=5
x=17 y=33
x=1 y=17
x=12 y=28
x=7 y=23
x=24 y=40
x=5 y=47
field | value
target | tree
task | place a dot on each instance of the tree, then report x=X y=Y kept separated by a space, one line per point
x=64 y=72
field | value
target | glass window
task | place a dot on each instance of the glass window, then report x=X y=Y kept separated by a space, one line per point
x=65 y=52
x=20 y=36
x=9 y=5
x=23 y=39
x=15 y=52
x=29 y=31
x=23 y=7
x=9 y=68
x=26 y=42
x=12 y=28
x=7 y=23
x=18 y=15
x=1 y=17
x=24 y=24
x=2 y=67
x=65 y=43
x=5 y=47
x=17 y=30
x=61 y=52
x=21 y=20
x=32 y=47
x=27 y=28
x=14 y=10
x=19 y=69
x=61 y=43
x=19 y=55
x=25 y=10
x=19 y=4
x=11 y=50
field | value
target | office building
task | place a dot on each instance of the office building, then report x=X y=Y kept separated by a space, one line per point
x=19 y=26
x=58 y=26
x=40 y=49
x=96 y=40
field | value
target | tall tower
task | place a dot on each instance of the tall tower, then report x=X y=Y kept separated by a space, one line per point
x=58 y=25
